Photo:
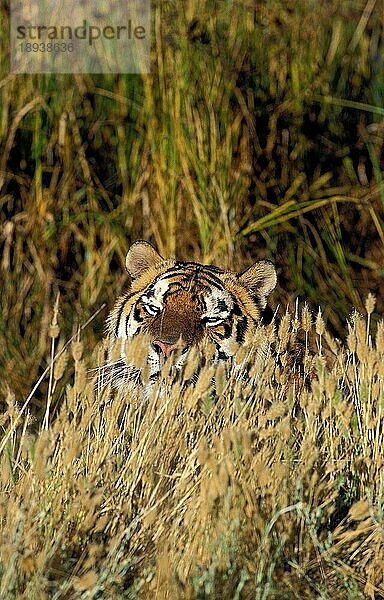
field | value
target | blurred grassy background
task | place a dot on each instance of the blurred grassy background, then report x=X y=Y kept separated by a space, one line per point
x=259 y=133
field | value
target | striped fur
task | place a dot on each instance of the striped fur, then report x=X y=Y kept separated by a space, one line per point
x=175 y=306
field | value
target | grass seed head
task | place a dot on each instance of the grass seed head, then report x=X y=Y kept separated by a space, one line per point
x=60 y=365
x=320 y=326
x=380 y=337
x=370 y=303
x=306 y=319
x=77 y=348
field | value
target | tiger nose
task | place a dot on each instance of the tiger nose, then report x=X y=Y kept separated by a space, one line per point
x=165 y=347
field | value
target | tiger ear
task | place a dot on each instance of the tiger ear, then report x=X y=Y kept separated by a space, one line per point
x=141 y=256
x=260 y=279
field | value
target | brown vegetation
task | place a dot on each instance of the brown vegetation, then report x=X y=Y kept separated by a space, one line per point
x=258 y=134
x=267 y=491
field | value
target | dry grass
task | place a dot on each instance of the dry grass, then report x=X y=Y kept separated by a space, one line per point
x=248 y=140
x=270 y=490
x=258 y=134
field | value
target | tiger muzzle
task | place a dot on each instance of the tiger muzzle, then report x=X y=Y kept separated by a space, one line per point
x=178 y=326
x=164 y=347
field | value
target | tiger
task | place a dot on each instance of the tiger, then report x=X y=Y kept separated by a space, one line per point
x=176 y=306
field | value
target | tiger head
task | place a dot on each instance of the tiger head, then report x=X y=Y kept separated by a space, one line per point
x=175 y=306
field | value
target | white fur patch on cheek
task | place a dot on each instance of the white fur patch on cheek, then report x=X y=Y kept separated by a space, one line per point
x=153 y=361
x=160 y=289
x=128 y=328
x=132 y=325
x=227 y=346
x=121 y=334
x=181 y=361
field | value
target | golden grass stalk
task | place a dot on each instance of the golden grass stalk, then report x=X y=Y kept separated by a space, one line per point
x=266 y=486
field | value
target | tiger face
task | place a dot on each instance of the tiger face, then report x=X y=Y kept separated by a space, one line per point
x=175 y=306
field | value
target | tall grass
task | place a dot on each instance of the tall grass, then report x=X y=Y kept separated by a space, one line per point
x=270 y=490
x=257 y=134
